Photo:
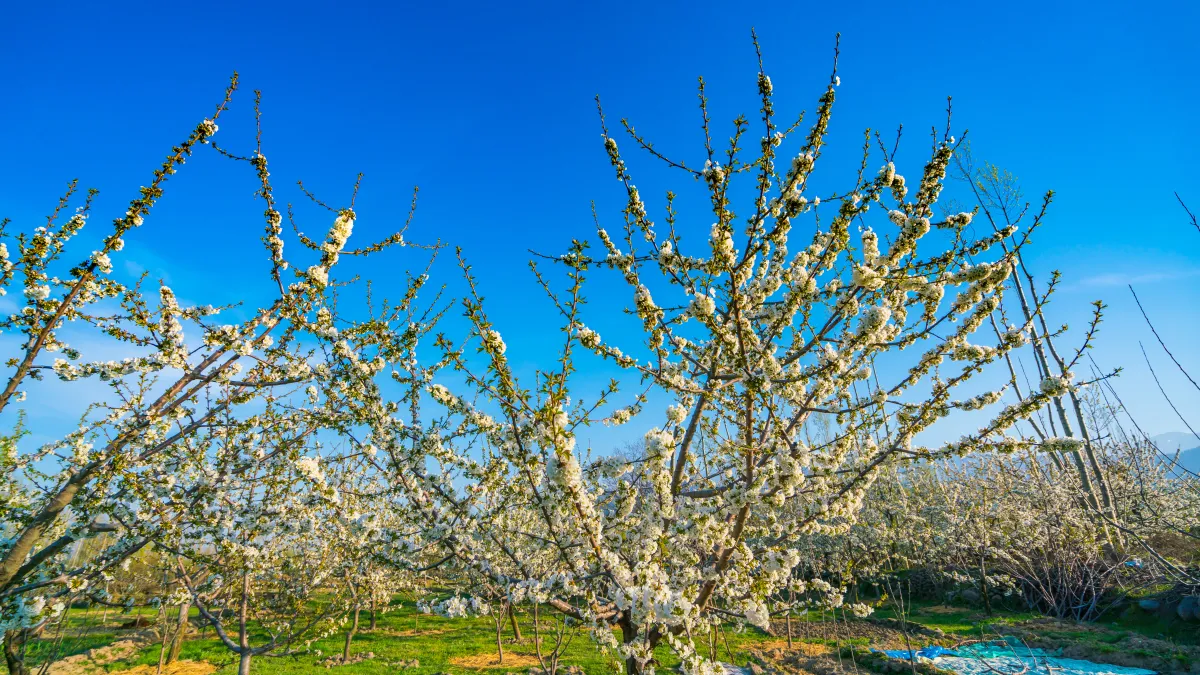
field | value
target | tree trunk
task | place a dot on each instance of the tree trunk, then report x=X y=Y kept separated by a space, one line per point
x=13 y=566
x=791 y=603
x=180 y=631
x=243 y=632
x=629 y=633
x=14 y=643
x=512 y=618
x=537 y=638
x=987 y=599
x=350 y=636
x=166 y=636
x=499 y=630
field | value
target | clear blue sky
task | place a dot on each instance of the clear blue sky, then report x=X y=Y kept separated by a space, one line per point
x=488 y=107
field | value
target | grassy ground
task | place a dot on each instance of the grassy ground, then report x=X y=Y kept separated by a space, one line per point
x=463 y=646
x=456 y=646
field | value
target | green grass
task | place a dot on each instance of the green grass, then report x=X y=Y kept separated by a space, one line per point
x=82 y=630
x=1152 y=625
x=957 y=621
x=38 y=650
x=405 y=634
x=442 y=640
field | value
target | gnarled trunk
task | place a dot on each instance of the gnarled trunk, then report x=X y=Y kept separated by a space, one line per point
x=629 y=633
x=180 y=631
x=14 y=647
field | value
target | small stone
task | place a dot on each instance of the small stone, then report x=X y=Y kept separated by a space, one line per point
x=1149 y=604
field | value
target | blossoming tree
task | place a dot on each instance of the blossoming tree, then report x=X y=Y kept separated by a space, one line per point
x=145 y=460
x=262 y=550
x=859 y=306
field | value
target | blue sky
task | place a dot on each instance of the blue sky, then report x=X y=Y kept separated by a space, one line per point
x=488 y=107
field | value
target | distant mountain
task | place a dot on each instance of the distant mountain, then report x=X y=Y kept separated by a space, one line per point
x=1185 y=442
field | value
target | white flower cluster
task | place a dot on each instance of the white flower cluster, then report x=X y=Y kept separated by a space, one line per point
x=37 y=293
x=456 y=607
x=310 y=468
x=712 y=172
x=335 y=241
x=28 y=612
x=493 y=342
x=1062 y=444
x=588 y=337
x=619 y=417
x=102 y=261
x=703 y=305
x=1056 y=385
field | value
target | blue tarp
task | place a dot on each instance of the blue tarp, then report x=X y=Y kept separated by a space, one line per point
x=1008 y=646
x=1032 y=665
x=930 y=652
x=1009 y=657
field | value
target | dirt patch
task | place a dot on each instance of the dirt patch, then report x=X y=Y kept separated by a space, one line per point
x=176 y=668
x=785 y=662
x=805 y=648
x=815 y=645
x=93 y=660
x=480 y=661
x=878 y=633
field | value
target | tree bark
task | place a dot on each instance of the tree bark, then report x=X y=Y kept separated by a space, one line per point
x=14 y=643
x=629 y=633
x=243 y=631
x=350 y=636
x=983 y=584
x=512 y=618
x=14 y=558
x=499 y=631
x=180 y=631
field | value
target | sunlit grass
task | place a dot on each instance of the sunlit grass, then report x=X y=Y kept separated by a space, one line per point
x=405 y=634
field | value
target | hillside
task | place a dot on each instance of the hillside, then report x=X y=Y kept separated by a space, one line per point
x=1185 y=444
